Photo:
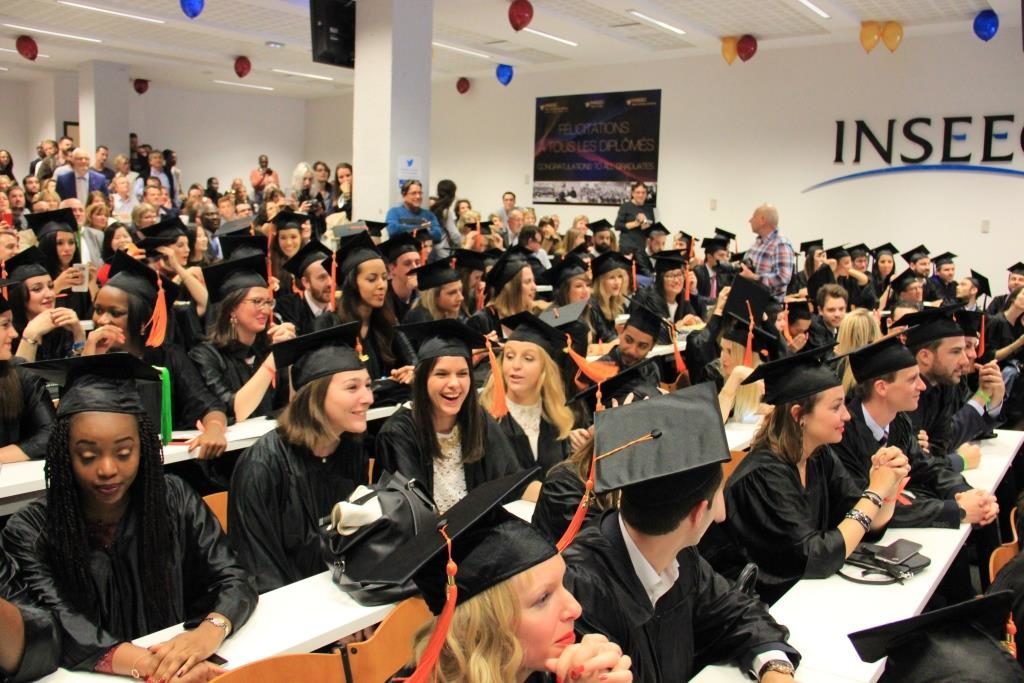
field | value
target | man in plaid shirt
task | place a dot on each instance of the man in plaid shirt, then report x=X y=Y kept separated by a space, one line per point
x=772 y=255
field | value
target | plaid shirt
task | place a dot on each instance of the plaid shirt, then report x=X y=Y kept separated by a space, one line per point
x=773 y=260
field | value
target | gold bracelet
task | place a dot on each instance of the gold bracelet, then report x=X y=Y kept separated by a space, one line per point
x=30 y=340
x=135 y=673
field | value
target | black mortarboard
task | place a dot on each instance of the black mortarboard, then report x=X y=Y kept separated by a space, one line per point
x=470 y=260
x=981 y=282
x=5 y=305
x=489 y=546
x=162 y=234
x=837 y=252
x=644 y=319
x=320 y=354
x=483 y=224
x=526 y=327
x=607 y=262
x=445 y=337
x=402 y=243
x=931 y=324
x=288 y=219
x=724 y=234
x=669 y=259
x=504 y=269
x=436 y=274
x=52 y=221
x=25 y=264
x=743 y=291
x=798 y=310
x=818 y=279
x=310 y=253
x=352 y=251
x=349 y=229
x=881 y=358
x=229 y=276
x=241 y=245
x=737 y=257
x=630 y=381
x=491 y=256
x=235 y=226
x=375 y=228
x=795 y=377
x=569 y=267
x=943 y=258
x=656 y=229
x=858 y=250
x=915 y=254
x=901 y=282
x=106 y=383
x=970 y=322
x=713 y=244
x=887 y=248
x=763 y=340
x=962 y=642
x=136 y=278
x=599 y=226
x=805 y=247
x=684 y=447
x=1017 y=268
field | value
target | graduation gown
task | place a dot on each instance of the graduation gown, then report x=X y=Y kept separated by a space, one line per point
x=559 y=498
x=604 y=329
x=485 y=321
x=701 y=349
x=934 y=414
x=861 y=296
x=401 y=349
x=968 y=425
x=702 y=620
x=397 y=305
x=798 y=282
x=946 y=291
x=820 y=335
x=190 y=399
x=1002 y=333
x=225 y=371
x=933 y=484
x=550 y=449
x=650 y=374
x=293 y=309
x=655 y=300
x=279 y=492
x=644 y=264
x=31 y=430
x=42 y=640
x=398 y=450
x=997 y=305
x=205 y=577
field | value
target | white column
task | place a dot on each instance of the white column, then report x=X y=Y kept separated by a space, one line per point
x=104 y=96
x=391 y=107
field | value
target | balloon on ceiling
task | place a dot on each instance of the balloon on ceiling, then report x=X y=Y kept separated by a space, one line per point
x=986 y=24
x=141 y=85
x=892 y=35
x=27 y=47
x=462 y=85
x=504 y=73
x=242 y=66
x=520 y=14
x=746 y=47
x=192 y=8
x=870 y=34
x=729 y=49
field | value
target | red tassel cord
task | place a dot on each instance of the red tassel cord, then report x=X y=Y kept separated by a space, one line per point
x=334 y=281
x=157 y=323
x=428 y=661
x=499 y=406
x=748 y=352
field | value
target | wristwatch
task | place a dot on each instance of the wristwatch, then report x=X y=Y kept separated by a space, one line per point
x=220 y=622
x=778 y=666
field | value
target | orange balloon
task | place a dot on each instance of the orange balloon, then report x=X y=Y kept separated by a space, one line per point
x=729 y=49
x=892 y=35
x=870 y=34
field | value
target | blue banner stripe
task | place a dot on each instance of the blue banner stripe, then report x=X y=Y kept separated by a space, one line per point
x=949 y=168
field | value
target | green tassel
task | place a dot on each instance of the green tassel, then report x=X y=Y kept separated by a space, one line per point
x=166 y=420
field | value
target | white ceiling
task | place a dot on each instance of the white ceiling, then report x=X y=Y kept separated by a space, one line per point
x=194 y=53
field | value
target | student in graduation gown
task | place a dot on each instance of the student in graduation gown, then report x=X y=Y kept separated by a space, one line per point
x=738 y=401
x=357 y=269
x=814 y=258
x=710 y=276
x=856 y=283
x=235 y=362
x=57 y=236
x=130 y=314
x=1014 y=279
x=611 y=284
x=294 y=475
x=982 y=391
x=167 y=252
x=26 y=411
x=639 y=577
x=504 y=613
x=793 y=509
x=403 y=255
x=669 y=296
x=46 y=329
x=30 y=648
x=285 y=245
x=528 y=381
x=446 y=440
x=511 y=289
x=639 y=335
x=440 y=288
x=312 y=283
x=117 y=549
x=883 y=269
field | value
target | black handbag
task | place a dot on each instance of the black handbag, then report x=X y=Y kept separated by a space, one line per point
x=406 y=509
x=863 y=556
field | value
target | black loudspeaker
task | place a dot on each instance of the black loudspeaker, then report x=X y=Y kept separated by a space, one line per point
x=333 y=31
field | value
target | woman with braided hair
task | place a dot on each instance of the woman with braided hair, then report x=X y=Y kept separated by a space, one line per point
x=117 y=549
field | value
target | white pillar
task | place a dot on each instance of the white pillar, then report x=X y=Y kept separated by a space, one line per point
x=391 y=107
x=104 y=96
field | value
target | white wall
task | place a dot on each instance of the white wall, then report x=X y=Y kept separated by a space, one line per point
x=14 y=127
x=329 y=130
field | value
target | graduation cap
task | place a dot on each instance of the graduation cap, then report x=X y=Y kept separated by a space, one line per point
x=436 y=274
x=402 y=243
x=916 y=254
x=656 y=229
x=352 y=251
x=44 y=223
x=724 y=234
x=644 y=319
x=713 y=244
x=504 y=269
x=858 y=250
x=737 y=257
x=310 y=253
x=235 y=226
x=156 y=291
x=741 y=331
x=970 y=322
x=286 y=219
x=837 y=253
x=795 y=377
x=1017 y=268
x=880 y=358
x=981 y=282
x=669 y=259
x=162 y=234
x=963 y=642
x=904 y=280
x=931 y=324
x=444 y=337
x=629 y=381
x=609 y=261
x=470 y=260
x=375 y=228
x=527 y=327
x=601 y=225
x=229 y=276
x=743 y=291
x=571 y=320
x=887 y=248
x=943 y=258
x=25 y=264
x=569 y=267
x=241 y=245
x=798 y=310
x=806 y=247
x=821 y=277
x=661 y=450
x=320 y=354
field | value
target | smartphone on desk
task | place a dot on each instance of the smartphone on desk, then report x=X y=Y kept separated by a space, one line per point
x=898 y=552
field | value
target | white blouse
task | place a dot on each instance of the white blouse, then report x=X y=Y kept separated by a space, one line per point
x=528 y=418
x=449 y=474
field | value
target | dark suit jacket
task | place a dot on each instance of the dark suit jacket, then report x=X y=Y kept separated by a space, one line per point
x=66 y=184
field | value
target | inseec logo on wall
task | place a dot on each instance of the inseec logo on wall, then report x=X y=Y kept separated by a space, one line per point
x=951 y=144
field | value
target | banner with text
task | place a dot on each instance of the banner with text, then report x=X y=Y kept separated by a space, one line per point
x=588 y=149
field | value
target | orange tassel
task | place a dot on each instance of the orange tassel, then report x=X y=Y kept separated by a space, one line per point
x=785 y=324
x=3 y=276
x=157 y=323
x=748 y=353
x=499 y=407
x=581 y=511
x=680 y=363
x=334 y=282
x=596 y=371
x=1011 y=635
x=981 y=335
x=686 y=270
x=359 y=350
x=632 y=258
x=481 y=294
x=295 y=288
x=270 y=268
x=428 y=661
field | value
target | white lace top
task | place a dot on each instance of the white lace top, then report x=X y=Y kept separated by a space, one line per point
x=528 y=418
x=449 y=475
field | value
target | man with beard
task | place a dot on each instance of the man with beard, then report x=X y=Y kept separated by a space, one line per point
x=970 y=288
x=403 y=256
x=604 y=241
x=314 y=280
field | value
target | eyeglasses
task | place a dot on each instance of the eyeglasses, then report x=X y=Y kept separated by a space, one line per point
x=260 y=303
x=674 y=275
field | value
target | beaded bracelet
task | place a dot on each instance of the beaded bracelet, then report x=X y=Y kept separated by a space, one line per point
x=860 y=518
x=873 y=497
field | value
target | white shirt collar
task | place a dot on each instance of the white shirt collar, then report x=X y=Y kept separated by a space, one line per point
x=313 y=304
x=877 y=430
x=656 y=585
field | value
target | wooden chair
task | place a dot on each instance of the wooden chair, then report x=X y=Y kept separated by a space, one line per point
x=312 y=667
x=218 y=504
x=1002 y=555
x=389 y=649
x=734 y=462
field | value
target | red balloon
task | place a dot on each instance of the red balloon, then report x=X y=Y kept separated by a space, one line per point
x=27 y=47
x=746 y=47
x=242 y=66
x=462 y=85
x=520 y=14
x=141 y=85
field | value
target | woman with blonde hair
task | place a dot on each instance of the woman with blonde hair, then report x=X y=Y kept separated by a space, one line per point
x=573 y=238
x=858 y=329
x=611 y=282
x=144 y=215
x=511 y=289
x=441 y=293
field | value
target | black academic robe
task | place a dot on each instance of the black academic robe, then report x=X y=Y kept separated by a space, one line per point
x=31 y=430
x=861 y=296
x=945 y=291
x=797 y=282
x=819 y=334
x=1011 y=578
x=550 y=449
x=293 y=309
x=934 y=415
x=399 y=306
x=279 y=492
x=933 y=484
x=376 y=365
x=968 y=425
x=789 y=530
x=704 y=284
x=41 y=655
x=55 y=344
x=644 y=263
x=190 y=399
x=997 y=304
x=1001 y=333
x=931 y=290
x=653 y=299
x=398 y=450
x=559 y=498
x=205 y=577
x=485 y=321
x=702 y=620
x=650 y=374
x=225 y=371
x=604 y=329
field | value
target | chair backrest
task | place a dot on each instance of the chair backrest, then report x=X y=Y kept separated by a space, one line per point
x=218 y=504
x=727 y=468
x=389 y=649
x=288 y=668
x=999 y=558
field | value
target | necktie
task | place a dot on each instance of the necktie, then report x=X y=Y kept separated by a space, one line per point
x=714 y=285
